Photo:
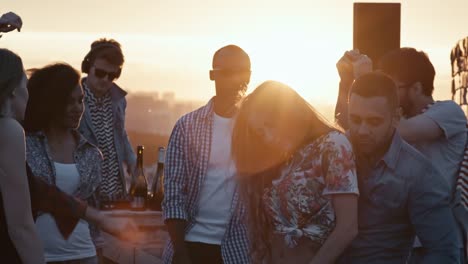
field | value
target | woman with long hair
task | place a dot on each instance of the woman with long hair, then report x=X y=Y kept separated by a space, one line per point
x=297 y=177
x=18 y=237
x=58 y=154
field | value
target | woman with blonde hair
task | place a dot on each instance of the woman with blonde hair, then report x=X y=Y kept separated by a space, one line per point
x=297 y=177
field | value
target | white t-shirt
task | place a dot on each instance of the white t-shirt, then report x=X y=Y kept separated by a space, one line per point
x=79 y=244
x=214 y=204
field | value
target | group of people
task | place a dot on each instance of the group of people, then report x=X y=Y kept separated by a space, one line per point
x=257 y=178
x=64 y=151
x=264 y=178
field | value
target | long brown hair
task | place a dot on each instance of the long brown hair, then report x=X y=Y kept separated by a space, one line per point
x=259 y=162
x=49 y=88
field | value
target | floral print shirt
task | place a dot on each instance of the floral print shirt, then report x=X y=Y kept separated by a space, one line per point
x=300 y=200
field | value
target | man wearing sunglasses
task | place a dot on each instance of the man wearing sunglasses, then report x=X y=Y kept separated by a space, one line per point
x=201 y=204
x=103 y=122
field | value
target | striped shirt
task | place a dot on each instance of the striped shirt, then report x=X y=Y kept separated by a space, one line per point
x=187 y=159
x=461 y=211
x=102 y=118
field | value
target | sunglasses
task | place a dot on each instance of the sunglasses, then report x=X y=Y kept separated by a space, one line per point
x=102 y=73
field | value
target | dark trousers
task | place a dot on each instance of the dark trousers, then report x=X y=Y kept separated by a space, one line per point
x=417 y=256
x=201 y=253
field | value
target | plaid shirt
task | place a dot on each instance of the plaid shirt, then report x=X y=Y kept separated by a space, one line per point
x=187 y=159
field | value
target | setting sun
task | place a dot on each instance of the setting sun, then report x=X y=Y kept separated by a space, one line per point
x=169 y=46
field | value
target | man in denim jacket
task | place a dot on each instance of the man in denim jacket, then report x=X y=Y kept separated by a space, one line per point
x=103 y=121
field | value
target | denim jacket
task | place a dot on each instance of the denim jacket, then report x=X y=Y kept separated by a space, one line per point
x=87 y=157
x=123 y=148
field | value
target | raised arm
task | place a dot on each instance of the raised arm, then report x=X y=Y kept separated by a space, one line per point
x=350 y=66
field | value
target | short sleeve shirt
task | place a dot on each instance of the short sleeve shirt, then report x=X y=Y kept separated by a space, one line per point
x=446 y=153
x=299 y=201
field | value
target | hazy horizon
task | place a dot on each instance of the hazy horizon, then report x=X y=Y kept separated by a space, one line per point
x=169 y=45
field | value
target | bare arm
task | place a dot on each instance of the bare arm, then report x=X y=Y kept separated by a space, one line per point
x=345 y=206
x=350 y=66
x=419 y=128
x=15 y=192
x=341 y=108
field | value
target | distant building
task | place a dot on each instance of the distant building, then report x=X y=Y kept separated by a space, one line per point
x=148 y=114
x=168 y=97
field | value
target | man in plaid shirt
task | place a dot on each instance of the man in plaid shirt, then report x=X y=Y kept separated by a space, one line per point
x=201 y=207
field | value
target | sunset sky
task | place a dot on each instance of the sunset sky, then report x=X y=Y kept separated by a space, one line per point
x=169 y=44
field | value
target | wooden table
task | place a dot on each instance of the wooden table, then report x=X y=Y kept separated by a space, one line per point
x=148 y=250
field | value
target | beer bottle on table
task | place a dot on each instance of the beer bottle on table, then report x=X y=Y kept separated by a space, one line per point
x=139 y=186
x=158 y=182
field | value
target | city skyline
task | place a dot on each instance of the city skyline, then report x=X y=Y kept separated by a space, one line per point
x=169 y=45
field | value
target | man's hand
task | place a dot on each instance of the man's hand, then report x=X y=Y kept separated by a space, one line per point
x=9 y=22
x=352 y=65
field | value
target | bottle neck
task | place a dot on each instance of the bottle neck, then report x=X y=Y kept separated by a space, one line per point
x=161 y=156
x=140 y=162
x=139 y=158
